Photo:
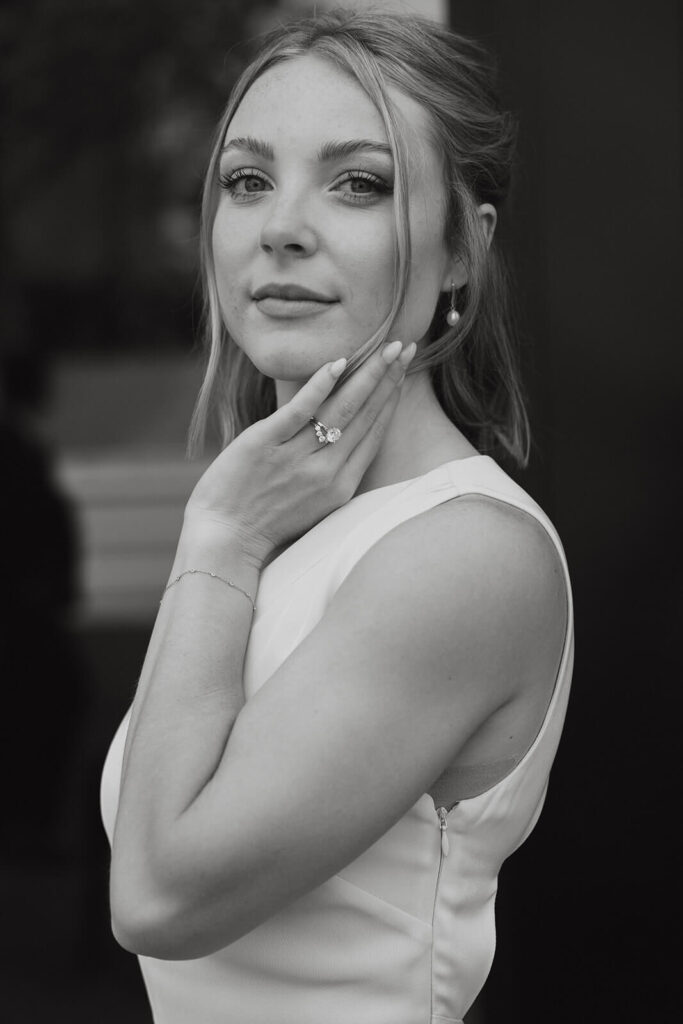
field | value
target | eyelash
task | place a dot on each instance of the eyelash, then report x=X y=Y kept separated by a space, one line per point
x=358 y=197
x=229 y=183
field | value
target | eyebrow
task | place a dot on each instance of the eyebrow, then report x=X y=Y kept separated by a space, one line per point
x=329 y=151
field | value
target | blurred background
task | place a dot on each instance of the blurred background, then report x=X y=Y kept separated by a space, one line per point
x=107 y=114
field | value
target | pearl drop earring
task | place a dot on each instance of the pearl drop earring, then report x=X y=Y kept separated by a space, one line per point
x=452 y=316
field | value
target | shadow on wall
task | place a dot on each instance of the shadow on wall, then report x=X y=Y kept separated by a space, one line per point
x=41 y=661
x=56 y=950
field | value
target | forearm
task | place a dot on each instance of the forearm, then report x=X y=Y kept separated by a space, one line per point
x=189 y=695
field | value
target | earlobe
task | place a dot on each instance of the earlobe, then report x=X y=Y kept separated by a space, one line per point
x=455 y=275
x=456 y=272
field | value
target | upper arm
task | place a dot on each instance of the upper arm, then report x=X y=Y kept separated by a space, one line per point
x=435 y=628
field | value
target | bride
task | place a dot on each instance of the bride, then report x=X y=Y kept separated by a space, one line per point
x=357 y=678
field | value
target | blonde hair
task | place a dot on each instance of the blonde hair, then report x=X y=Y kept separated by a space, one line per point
x=472 y=365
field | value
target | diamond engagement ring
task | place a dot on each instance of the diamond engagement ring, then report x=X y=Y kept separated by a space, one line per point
x=325 y=435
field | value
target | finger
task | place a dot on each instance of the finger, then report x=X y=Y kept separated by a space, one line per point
x=367 y=414
x=367 y=447
x=290 y=418
x=341 y=408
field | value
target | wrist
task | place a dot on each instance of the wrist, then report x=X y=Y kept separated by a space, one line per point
x=217 y=546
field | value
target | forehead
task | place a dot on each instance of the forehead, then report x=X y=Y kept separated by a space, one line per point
x=308 y=99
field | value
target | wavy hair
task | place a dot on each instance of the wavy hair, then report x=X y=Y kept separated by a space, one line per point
x=472 y=365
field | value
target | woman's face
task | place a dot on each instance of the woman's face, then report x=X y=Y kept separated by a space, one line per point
x=306 y=205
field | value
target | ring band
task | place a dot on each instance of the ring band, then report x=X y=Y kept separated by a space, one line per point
x=325 y=434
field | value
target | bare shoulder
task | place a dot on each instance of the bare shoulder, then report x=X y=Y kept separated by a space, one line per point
x=473 y=581
x=503 y=544
x=496 y=548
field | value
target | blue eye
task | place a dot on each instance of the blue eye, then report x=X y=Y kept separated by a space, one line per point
x=244 y=182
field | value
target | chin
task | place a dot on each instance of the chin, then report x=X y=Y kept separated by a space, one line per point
x=283 y=363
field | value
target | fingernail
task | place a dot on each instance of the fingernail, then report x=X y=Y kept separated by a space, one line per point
x=338 y=368
x=408 y=354
x=392 y=351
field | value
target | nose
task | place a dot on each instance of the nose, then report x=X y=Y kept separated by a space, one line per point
x=287 y=230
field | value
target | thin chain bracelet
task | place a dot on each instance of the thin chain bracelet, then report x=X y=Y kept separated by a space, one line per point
x=215 y=575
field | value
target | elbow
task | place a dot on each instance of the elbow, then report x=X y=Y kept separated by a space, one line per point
x=163 y=938
x=146 y=929
x=162 y=927
x=125 y=932
x=144 y=921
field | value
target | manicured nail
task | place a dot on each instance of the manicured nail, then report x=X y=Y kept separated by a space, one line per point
x=408 y=354
x=338 y=368
x=392 y=351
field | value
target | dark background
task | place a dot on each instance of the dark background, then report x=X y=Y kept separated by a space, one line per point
x=585 y=909
x=106 y=114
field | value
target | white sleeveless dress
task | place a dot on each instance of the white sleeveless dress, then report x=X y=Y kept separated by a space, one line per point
x=404 y=934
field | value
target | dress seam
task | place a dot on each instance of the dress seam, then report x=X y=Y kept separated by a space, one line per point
x=387 y=903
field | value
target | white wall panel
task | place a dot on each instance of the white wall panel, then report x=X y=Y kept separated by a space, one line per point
x=129 y=511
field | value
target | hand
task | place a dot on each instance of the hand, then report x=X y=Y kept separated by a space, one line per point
x=275 y=480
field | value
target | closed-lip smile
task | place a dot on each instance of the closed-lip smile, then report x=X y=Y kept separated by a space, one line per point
x=290 y=292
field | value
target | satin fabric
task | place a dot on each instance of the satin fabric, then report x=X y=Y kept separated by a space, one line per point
x=405 y=934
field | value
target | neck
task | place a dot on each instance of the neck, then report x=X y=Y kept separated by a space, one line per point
x=419 y=438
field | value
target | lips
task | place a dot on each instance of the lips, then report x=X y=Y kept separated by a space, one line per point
x=289 y=292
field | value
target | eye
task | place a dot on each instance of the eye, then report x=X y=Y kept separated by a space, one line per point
x=362 y=187
x=244 y=183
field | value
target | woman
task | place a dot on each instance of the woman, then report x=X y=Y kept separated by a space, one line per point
x=316 y=794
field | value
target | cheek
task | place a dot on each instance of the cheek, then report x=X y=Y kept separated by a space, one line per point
x=225 y=245
x=228 y=258
x=421 y=300
x=365 y=258
x=428 y=267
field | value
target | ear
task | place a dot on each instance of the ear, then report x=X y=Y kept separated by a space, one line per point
x=488 y=216
x=456 y=272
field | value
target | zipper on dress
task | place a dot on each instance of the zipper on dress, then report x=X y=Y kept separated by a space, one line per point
x=443 y=852
x=443 y=825
x=442 y=814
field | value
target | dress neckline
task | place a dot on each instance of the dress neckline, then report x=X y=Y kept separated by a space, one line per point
x=421 y=476
x=404 y=484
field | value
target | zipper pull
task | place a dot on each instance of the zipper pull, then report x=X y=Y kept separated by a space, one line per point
x=443 y=825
